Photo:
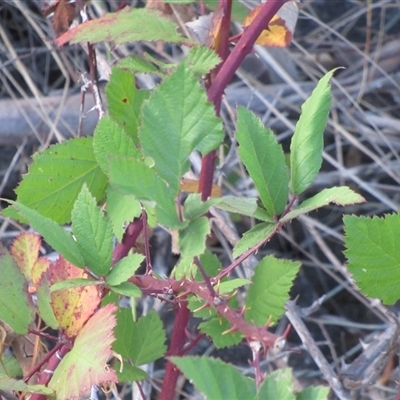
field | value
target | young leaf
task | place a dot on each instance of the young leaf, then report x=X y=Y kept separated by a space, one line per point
x=129 y=373
x=252 y=237
x=55 y=235
x=216 y=379
x=93 y=233
x=56 y=176
x=125 y=103
x=308 y=140
x=341 y=196
x=74 y=306
x=111 y=140
x=126 y=289
x=313 y=393
x=133 y=177
x=192 y=239
x=178 y=119
x=121 y=209
x=373 y=255
x=124 y=269
x=86 y=364
x=127 y=25
x=201 y=60
x=138 y=64
x=264 y=160
x=16 y=308
x=269 y=292
x=142 y=341
x=278 y=385
x=216 y=329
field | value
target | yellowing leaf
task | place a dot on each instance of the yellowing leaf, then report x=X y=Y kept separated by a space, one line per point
x=86 y=364
x=74 y=306
x=281 y=27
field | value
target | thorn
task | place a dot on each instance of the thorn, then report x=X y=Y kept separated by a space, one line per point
x=202 y=307
x=230 y=330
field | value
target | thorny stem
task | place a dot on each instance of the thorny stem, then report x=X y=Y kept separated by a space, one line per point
x=206 y=278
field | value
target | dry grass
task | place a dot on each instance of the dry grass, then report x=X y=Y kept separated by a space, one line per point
x=362 y=140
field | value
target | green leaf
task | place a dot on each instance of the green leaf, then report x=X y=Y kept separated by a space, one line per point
x=137 y=64
x=56 y=177
x=45 y=309
x=269 y=291
x=373 y=255
x=194 y=207
x=86 y=364
x=124 y=269
x=201 y=60
x=16 y=308
x=133 y=177
x=308 y=138
x=127 y=25
x=111 y=140
x=55 y=235
x=129 y=373
x=216 y=379
x=232 y=284
x=125 y=102
x=9 y=366
x=142 y=341
x=216 y=329
x=10 y=384
x=278 y=385
x=264 y=160
x=178 y=119
x=340 y=196
x=252 y=237
x=93 y=233
x=121 y=209
x=192 y=239
x=126 y=289
x=239 y=205
x=74 y=283
x=313 y=393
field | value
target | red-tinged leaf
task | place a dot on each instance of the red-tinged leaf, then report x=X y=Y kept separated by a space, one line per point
x=86 y=364
x=40 y=266
x=126 y=25
x=72 y=307
x=25 y=251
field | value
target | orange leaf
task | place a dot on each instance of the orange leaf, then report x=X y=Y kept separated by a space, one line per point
x=281 y=27
x=74 y=306
x=192 y=186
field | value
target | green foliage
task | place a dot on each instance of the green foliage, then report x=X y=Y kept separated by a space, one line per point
x=307 y=142
x=216 y=379
x=178 y=119
x=264 y=160
x=192 y=239
x=142 y=341
x=15 y=309
x=278 y=385
x=124 y=269
x=92 y=232
x=56 y=177
x=125 y=102
x=269 y=291
x=373 y=255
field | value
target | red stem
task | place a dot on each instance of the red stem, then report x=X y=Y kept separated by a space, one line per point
x=177 y=344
